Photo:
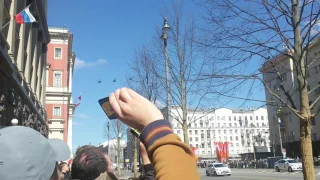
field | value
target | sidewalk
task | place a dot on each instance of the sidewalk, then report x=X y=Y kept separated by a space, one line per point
x=125 y=175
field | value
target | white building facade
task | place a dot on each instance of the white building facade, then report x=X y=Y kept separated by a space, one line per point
x=289 y=123
x=239 y=127
x=112 y=149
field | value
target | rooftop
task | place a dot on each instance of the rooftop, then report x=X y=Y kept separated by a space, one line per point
x=58 y=30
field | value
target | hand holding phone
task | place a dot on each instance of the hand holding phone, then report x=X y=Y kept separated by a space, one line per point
x=105 y=104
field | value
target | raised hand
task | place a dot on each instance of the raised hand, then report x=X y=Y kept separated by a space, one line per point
x=133 y=109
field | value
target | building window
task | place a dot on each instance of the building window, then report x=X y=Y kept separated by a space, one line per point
x=245 y=118
x=251 y=118
x=257 y=118
x=229 y=118
x=234 y=118
x=190 y=139
x=218 y=118
x=178 y=132
x=196 y=138
x=57 y=79
x=230 y=125
x=212 y=124
x=57 y=111
x=230 y=138
x=236 y=138
x=196 y=132
x=235 y=124
x=261 y=117
x=57 y=53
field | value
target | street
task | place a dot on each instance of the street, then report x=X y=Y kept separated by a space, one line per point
x=259 y=174
x=247 y=174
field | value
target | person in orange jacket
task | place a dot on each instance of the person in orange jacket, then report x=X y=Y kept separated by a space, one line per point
x=172 y=159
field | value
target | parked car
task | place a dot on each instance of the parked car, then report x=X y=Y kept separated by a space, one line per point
x=288 y=164
x=218 y=169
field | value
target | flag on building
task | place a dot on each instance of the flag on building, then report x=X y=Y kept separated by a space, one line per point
x=25 y=16
x=78 y=101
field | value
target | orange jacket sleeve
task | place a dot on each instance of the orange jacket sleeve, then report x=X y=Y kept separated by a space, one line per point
x=172 y=159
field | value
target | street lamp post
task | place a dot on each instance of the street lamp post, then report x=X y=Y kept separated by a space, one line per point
x=279 y=110
x=108 y=126
x=164 y=37
x=280 y=138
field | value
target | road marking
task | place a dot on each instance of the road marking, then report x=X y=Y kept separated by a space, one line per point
x=249 y=177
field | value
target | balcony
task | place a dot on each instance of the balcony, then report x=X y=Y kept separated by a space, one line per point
x=57 y=89
x=61 y=130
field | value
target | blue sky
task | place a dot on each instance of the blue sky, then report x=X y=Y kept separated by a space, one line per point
x=105 y=35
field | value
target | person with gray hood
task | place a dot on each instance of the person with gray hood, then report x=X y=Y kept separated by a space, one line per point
x=25 y=154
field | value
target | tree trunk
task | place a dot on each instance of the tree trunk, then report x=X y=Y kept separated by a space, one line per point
x=185 y=133
x=306 y=150
x=118 y=159
x=135 y=157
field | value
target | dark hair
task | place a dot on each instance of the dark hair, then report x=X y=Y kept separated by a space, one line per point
x=88 y=164
x=84 y=147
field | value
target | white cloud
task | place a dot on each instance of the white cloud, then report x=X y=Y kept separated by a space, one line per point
x=82 y=116
x=79 y=63
x=77 y=123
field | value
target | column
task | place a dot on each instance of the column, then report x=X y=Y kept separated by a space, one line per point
x=40 y=69
x=34 y=65
x=21 y=51
x=11 y=38
x=1 y=12
x=44 y=86
x=70 y=130
x=70 y=75
x=27 y=71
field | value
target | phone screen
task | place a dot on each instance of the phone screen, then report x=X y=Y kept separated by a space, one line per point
x=105 y=104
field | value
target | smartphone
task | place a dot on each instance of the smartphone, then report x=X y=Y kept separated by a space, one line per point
x=135 y=132
x=105 y=104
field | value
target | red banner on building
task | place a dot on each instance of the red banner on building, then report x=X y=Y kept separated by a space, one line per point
x=195 y=151
x=222 y=151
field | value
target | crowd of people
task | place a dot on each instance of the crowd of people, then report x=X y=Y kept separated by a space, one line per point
x=27 y=155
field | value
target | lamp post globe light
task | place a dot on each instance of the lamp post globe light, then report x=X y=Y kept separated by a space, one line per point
x=14 y=122
x=164 y=37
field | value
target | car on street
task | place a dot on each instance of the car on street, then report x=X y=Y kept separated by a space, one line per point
x=289 y=165
x=218 y=169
